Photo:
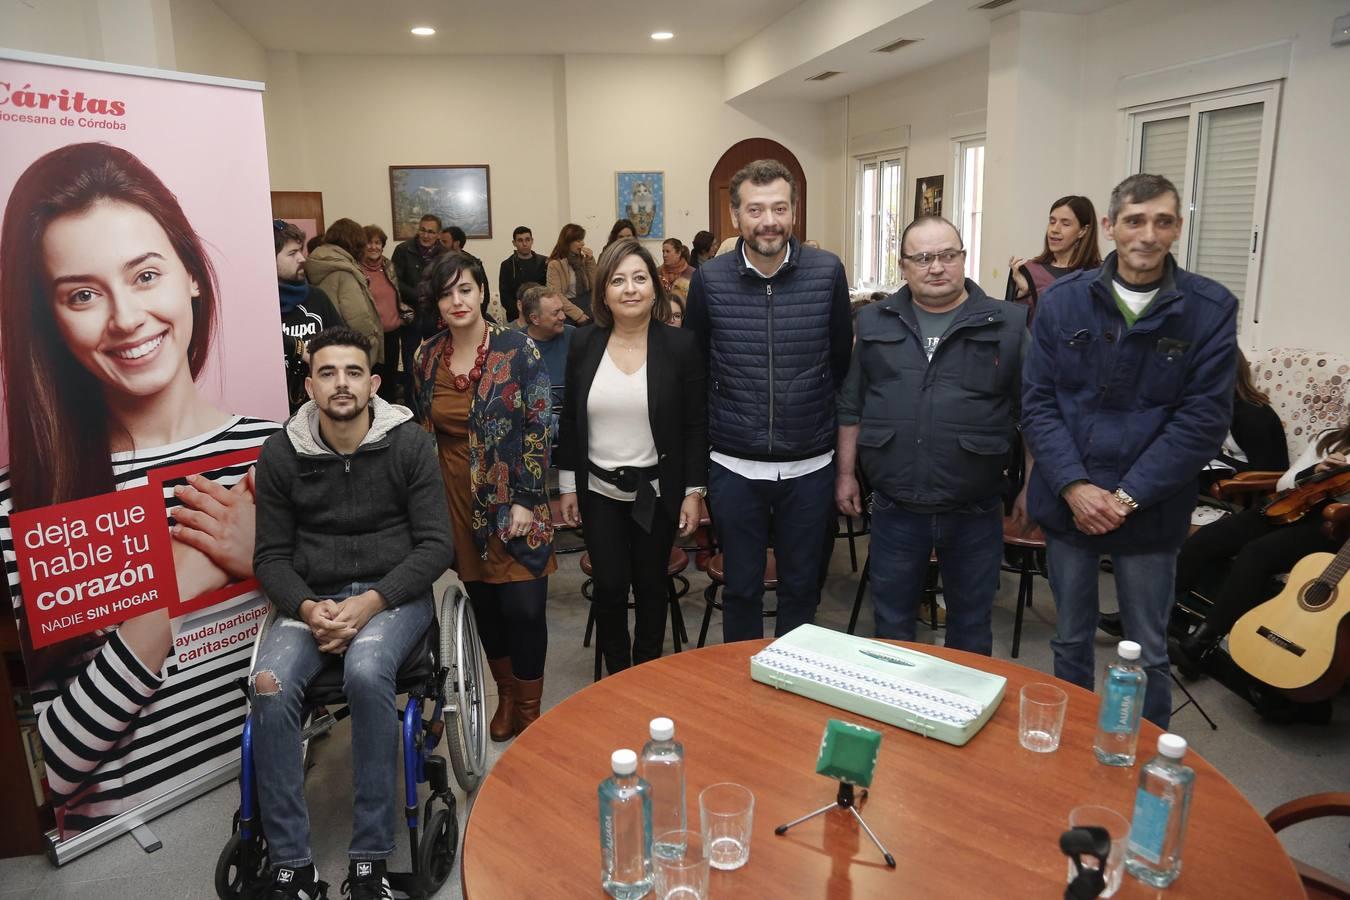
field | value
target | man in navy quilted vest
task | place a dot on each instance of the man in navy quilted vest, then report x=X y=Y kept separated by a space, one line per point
x=1127 y=394
x=773 y=319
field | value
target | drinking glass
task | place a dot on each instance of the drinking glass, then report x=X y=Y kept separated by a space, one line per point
x=726 y=811
x=1119 y=830
x=1042 y=717
x=681 y=866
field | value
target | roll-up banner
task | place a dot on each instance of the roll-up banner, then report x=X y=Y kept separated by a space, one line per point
x=141 y=374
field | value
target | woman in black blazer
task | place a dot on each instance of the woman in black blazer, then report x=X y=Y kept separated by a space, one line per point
x=632 y=447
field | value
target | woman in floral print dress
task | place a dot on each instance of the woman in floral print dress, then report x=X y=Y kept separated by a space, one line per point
x=483 y=391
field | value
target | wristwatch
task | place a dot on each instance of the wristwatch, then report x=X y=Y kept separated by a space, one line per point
x=1125 y=499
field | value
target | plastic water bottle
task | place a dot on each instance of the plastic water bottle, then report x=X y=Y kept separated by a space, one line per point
x=625 y=830
x=1122 y=700
x=662 y=767
x=1161 y=807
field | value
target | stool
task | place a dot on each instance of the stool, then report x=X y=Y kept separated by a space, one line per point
x=931 y=589
x=1026 y=548
x=717 y=577
x=852 y=534
x=679 y=561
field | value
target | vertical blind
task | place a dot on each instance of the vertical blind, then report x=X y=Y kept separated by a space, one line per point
x=1163 y=150
x=1227 y=161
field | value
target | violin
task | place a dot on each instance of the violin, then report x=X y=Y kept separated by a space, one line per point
x=1293 y=504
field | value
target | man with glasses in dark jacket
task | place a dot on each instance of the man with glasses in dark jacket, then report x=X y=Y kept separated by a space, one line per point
x=773 y=319
x=1128 y=393
x=932 y=399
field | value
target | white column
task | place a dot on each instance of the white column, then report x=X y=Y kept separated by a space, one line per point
x=1035 y=60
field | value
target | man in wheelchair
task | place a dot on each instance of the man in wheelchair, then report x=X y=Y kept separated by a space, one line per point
x=352 y=532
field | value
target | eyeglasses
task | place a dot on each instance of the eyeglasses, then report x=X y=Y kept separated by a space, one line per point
x=924 y=260
x=427 y=231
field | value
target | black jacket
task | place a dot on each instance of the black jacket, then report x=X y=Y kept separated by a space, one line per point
x=1260 y=434
x=777 y=350
x=935 y=434
x=676 y=408
x=513 y=273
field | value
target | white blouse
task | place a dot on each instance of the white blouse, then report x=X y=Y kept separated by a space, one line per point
x=618 y=430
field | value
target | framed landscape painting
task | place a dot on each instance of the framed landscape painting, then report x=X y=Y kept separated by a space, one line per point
x=458 y=195
x=641 y=197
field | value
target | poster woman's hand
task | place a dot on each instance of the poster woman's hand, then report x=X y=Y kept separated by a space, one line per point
x=219 y=522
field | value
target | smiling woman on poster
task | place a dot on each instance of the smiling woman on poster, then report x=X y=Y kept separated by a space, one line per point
x=109 y=305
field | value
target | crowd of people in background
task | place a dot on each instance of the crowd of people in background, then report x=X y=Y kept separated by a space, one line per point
x=1092 y=399
x=743 y=387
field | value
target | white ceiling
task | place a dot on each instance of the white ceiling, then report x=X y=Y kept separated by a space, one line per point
x=702 y=27
x=944 y=29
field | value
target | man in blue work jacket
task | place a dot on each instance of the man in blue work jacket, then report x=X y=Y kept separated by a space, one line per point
x=1127 y=393
x=929 y=409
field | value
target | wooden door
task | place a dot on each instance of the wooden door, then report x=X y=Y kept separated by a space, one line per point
x=732 y=161
x=304 y=208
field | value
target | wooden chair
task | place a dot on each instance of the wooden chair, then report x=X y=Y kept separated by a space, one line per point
x=679 y=561
x=1319 y=885
x=1027 y=549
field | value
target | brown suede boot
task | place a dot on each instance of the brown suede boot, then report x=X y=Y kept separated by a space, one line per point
x=502 y=726
x=528 y=694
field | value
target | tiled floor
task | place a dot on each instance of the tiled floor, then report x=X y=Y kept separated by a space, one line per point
x=1269 y=764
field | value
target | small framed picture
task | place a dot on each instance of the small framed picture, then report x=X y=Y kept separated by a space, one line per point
x=641 y=197
x=928 y=196
x=458 y=195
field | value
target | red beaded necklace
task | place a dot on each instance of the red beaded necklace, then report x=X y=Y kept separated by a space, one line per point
x=463 y=382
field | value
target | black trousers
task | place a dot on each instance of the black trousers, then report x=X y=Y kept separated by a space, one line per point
x=1233 y=560
x=625 y=557
x=511 y=622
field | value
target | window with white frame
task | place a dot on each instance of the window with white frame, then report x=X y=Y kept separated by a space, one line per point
x=967 y=209
x=879 y=211
x=1217 y=149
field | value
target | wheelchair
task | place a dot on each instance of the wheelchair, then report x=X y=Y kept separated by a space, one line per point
x=444 y=670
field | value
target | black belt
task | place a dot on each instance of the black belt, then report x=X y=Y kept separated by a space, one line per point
x=633 y=479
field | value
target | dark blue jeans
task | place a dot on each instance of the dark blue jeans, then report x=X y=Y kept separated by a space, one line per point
x=1144 y=588
x=370 y=666
x=750 y=515
x=969 y=550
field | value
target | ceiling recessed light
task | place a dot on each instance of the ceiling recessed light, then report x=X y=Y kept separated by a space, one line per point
x=662 y=35
x=423 y=31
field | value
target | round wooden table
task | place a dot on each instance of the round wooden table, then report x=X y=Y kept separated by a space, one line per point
x=981 y=820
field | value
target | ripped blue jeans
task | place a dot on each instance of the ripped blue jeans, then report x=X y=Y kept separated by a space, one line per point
x=370 y=666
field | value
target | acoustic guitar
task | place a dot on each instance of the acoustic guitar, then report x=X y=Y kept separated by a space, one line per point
x=1299 y=641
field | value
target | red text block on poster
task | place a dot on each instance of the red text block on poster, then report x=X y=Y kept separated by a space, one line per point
x=92 y=563
x=211 y=467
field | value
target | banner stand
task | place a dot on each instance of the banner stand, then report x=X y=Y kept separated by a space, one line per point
x=61 y=852
x=179 y=131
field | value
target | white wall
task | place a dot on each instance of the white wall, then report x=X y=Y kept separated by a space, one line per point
x=1305 y=275
x=337 y=123
x=209 y=42
x=1056 y=125
x=920 y=113
x=616 y=121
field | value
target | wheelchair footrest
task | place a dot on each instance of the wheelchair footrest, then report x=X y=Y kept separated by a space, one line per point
x=437 y=775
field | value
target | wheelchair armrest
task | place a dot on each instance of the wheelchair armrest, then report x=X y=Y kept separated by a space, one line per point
x=1246 y=484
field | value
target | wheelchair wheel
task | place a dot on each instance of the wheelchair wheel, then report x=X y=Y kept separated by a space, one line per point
x=465 y=694
x=436 y=850
x=232 y=882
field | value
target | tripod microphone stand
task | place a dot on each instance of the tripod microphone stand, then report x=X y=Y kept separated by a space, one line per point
x=843 y=800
